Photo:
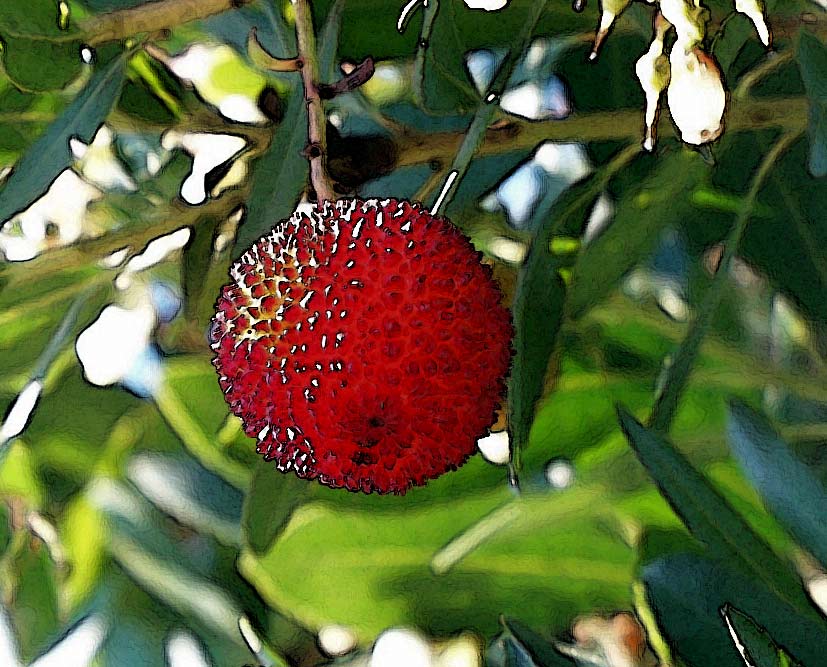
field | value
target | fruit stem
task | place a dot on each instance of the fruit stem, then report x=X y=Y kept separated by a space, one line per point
x=317 y=141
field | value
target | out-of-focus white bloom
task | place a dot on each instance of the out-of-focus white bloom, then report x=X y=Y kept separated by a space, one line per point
x=113 y=346
x=336 y=640
x=98 y=164
x=21 y=411
x=696 y=94
x=495 y=448
x=183 y=650
x=401 y=648
x=609 y=11
x=652 y=71
x=156 y=251
x=507 y=250
x=208 y=151
x=754 y=10
x=487 y=5
x=63 y=207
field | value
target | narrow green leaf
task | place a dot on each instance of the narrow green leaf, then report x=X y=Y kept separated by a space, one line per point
x=709 y=517
x=538 y=315
x=50 y=154
x=270 y=502
x=686 y=593
x=812 y=61
x=788 y=487
x=753 y=642
x=439 y=81
x=542 y=653
x=329 y=41
x=281 y=173
x=640 y=218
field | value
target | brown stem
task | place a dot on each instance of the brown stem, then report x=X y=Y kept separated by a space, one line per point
x=151 y=17
x=317 y=140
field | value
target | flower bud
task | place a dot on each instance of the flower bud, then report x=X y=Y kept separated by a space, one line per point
x=609 y=11
x=696 y=94
x=754 y=10
x=652 y=71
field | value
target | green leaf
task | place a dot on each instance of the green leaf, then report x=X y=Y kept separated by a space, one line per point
x=538 y=315
x=709 y=517
x=374 y=569
x=812 y=60
x=270 y=502
x=50 y=155
x=281 y=173
x=439 y=80
x=753 y=642
x=34 y=612
x=37 y=53
x=542 y=653
x=641 y=215
x=686 y=593
x=788 y=487
x=279 y=176
x=735 y=31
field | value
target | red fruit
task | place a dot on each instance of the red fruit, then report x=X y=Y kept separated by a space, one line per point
x=364 y=345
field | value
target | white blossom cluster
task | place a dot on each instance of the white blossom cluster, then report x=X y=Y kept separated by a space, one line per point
x=694 y=85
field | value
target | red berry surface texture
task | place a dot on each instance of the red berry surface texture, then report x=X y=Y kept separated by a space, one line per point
x=363 y=345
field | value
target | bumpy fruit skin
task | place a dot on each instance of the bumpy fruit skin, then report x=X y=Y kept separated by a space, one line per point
x=363 y=345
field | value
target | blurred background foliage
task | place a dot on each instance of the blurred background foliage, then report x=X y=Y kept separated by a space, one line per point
x=136 y=516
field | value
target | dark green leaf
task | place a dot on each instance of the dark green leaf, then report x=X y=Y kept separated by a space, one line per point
x=686 y=593
x=279 y=177
x=50 y=154
x=439 y=78
x=37 y=54
x=270 y=502
x=541 y=652
x=329 y=41
x=709 y=517
x=812 y=60
x=736 y=30
x=538 y=314
x=642 y=215
x=753 y=642
x=788 y=487
x=272 y=31
x=282 y=172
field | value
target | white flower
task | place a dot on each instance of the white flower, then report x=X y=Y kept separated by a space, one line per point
x=609 y=11
x=754 y=10
x=696 y=94
x=652 y=71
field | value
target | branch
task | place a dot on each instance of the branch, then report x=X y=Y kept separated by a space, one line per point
x=417 y=148
x=317 y=139
x=151 y=17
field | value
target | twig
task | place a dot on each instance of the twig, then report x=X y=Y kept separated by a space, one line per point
x=258 y=54
x=151 y=17
x=317 y=140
